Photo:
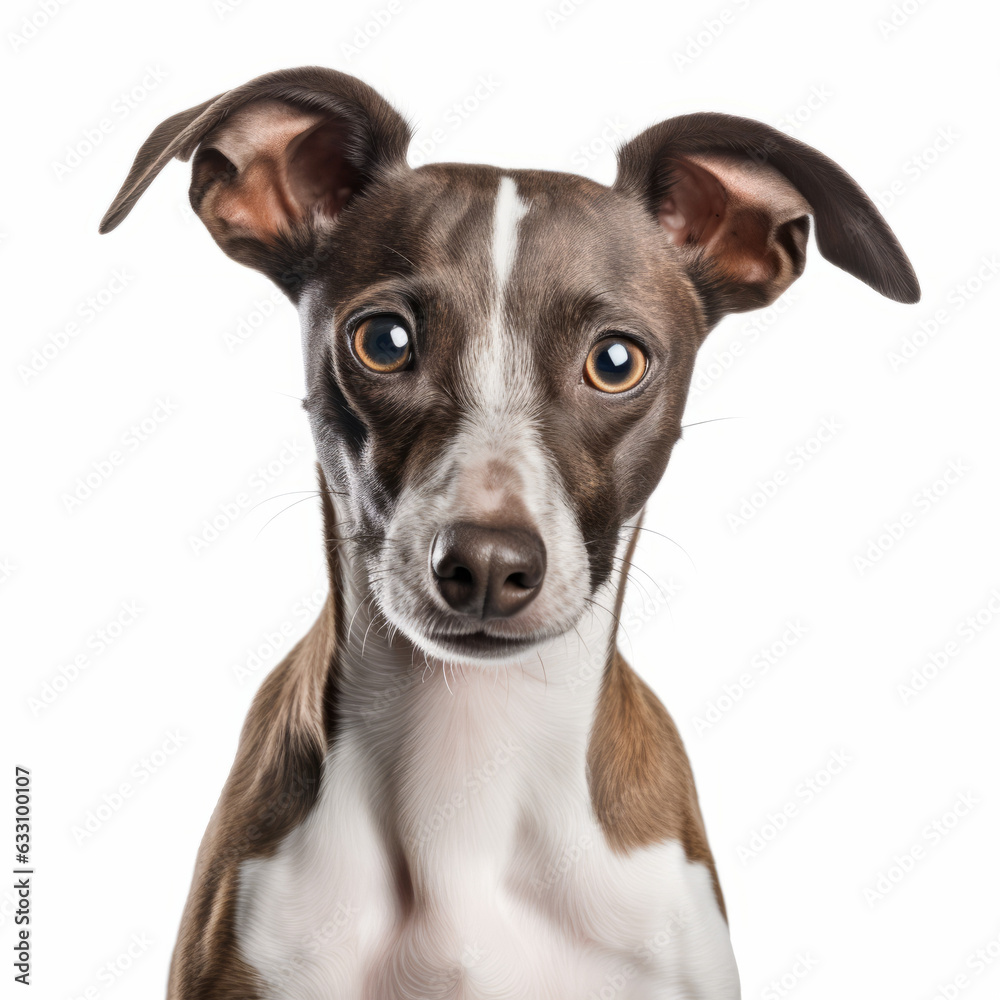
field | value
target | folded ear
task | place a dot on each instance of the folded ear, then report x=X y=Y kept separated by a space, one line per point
x=275 y=161
x=737 y=194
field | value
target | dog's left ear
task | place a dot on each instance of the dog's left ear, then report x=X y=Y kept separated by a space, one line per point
x=736 y=196
x=275 y=163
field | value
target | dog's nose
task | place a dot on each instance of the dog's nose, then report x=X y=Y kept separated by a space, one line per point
x=487 y=572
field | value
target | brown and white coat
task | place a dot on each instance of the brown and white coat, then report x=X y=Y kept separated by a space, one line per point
x=421 y=807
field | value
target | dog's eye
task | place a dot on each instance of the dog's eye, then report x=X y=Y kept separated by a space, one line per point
x=382 y=343
x=615 y=364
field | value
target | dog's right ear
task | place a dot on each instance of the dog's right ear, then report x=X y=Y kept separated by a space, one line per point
x=275 y=162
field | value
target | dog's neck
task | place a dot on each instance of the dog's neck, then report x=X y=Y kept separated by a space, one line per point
x=511 y=740
x=461 y=759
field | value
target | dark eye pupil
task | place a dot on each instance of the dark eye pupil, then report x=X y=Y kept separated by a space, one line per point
x=614 y=363
x=386 y=342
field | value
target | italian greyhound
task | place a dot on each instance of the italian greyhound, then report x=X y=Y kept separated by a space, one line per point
x=454 y=786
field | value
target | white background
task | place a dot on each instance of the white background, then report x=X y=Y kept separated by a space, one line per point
x=882 y=96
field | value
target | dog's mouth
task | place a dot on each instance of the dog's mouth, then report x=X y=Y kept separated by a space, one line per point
x=440 y=635
x=482 y=644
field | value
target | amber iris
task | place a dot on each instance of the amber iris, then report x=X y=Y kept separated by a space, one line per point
x=383 y=343
x=615 y=364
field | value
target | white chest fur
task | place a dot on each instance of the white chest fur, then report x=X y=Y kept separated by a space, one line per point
x=453 y=853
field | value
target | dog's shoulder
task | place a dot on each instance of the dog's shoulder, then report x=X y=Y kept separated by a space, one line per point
x=273 y=783
x=641 y=785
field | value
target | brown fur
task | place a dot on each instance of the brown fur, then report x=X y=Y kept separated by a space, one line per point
x=641 y=785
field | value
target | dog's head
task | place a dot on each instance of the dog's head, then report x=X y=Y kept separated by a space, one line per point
x=497 y=360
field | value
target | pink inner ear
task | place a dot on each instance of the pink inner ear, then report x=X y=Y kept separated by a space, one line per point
x=319 y=175
x=289 y=165
x=746 y=217
x=695 y=206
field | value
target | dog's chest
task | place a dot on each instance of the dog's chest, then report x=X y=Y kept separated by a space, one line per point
x=453 y=855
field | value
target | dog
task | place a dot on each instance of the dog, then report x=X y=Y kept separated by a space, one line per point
x=454 y=786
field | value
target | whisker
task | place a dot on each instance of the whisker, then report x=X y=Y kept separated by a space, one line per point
x=335 y=544
x=618 y=622
x=584 y=641
x=633 y=565
x=541 y=663
x=398 y=254
x=364 y=638
x=597 y=604
x=629 y=579
x=593 y=541
x=357 y=611
x=277 y=496
x=282 y=511
x=288 y=493
x=713 y=420
x=636 y=583
x=653 y=531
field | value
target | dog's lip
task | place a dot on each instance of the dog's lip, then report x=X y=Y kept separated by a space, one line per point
x=480 y=640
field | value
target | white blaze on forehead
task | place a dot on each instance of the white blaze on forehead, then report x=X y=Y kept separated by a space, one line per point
x=510 y=209
x=497 y=366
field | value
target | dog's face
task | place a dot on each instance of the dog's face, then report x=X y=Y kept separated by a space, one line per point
x=498 y=364
x=497 y=361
